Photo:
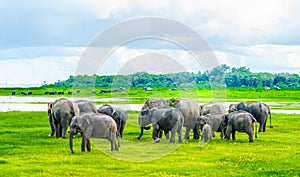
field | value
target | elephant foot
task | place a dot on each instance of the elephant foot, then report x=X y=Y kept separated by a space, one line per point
x=157 y=140
x=251 y=141
x=50 y=135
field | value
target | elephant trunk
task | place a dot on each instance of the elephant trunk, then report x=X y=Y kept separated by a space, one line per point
x=71 y=141
x=141 y=133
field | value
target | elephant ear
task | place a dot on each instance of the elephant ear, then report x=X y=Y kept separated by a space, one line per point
x=154 y=116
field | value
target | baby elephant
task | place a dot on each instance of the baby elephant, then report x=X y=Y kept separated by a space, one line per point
x=93 y=125
x=206 y=133
x=240 y=121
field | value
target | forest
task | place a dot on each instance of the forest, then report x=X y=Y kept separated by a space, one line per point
x=220 y=76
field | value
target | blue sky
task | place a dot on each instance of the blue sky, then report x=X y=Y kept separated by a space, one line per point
x=44 y=40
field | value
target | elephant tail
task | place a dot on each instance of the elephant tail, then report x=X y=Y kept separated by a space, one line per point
x=271 y=126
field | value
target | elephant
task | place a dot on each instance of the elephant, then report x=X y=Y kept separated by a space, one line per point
x=237 y=106
x=190 y=111
x=119 y=115
x=86 y=106
x=213 y=120
x=50 y=105
x=167 y=119
x=259 y=110
x=62 y=112
x=149 y=104
x=240 y=121
x=212 y=108
x=206 y=133
x=93 y=125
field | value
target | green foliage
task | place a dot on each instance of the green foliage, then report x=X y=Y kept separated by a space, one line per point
x=217 y=77
x=26 y=150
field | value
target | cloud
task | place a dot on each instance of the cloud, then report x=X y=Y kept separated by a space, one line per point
x=42 y=38
x=37 y=70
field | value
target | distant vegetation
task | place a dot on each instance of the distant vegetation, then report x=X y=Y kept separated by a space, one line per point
x=217 y=77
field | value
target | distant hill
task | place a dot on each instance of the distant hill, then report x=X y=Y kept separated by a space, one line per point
x=218 y=77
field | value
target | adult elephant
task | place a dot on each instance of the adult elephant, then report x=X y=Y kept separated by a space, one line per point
x=240 y=121
x=190 y=111
x=212 y=108
x=259 y=110
x=93 y=125
x=119 y=115
x=150 y=104
x=62 y=112
x=86 y=106
x=167 y=119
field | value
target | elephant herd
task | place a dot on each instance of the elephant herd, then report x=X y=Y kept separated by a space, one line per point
x=82 y=116
x=165 y=115
x=208 y=119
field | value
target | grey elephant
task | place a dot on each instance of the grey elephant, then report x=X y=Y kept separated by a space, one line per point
x=167 y=119
x=240 y=121
x=213 y=120
x=85 y=106
x=190 y=111
x=149 y=104
x=93 y=125
x=50 y=105
x=206 y=133
x=259 y=110
x=62 y=112
x=212 y=108
x=119 y=115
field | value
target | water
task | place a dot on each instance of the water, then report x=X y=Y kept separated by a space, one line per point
x=14 y=103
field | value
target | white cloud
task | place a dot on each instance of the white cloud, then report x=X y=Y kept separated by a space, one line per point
x=36 y=71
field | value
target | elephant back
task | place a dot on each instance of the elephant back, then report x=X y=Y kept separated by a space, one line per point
x=85 y=106
x=190 y=111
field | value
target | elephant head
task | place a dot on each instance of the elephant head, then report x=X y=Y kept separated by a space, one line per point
x=145 y=118
x=78 y=124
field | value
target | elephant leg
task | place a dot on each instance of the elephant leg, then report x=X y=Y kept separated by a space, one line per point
x=196 y=131
x=121 y=130
x=228 y=132
x=167 y=134
x=233 y=135
x=113 y=143
x=52 y=126
x=179 y=132
x=250 y=136
x=64 y=132
x=83 y=142
x=57 y=129
x=173 y=132
x=88 y=145
x=187 y=133
x=261 y=126
x=264 y=127
x=159 y=133
x=155 y=134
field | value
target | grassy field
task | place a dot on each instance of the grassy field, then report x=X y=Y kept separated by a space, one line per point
x=26 y=150
x=138 y=95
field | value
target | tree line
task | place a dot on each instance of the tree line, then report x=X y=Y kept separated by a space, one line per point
x=219 y=76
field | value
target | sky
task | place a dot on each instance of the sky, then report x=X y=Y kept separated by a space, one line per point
x=47 y=41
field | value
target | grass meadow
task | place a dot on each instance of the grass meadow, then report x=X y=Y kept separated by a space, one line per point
x=26 y=150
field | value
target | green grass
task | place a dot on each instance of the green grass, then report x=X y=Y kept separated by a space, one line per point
x=26 y=150
x=138 y=95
